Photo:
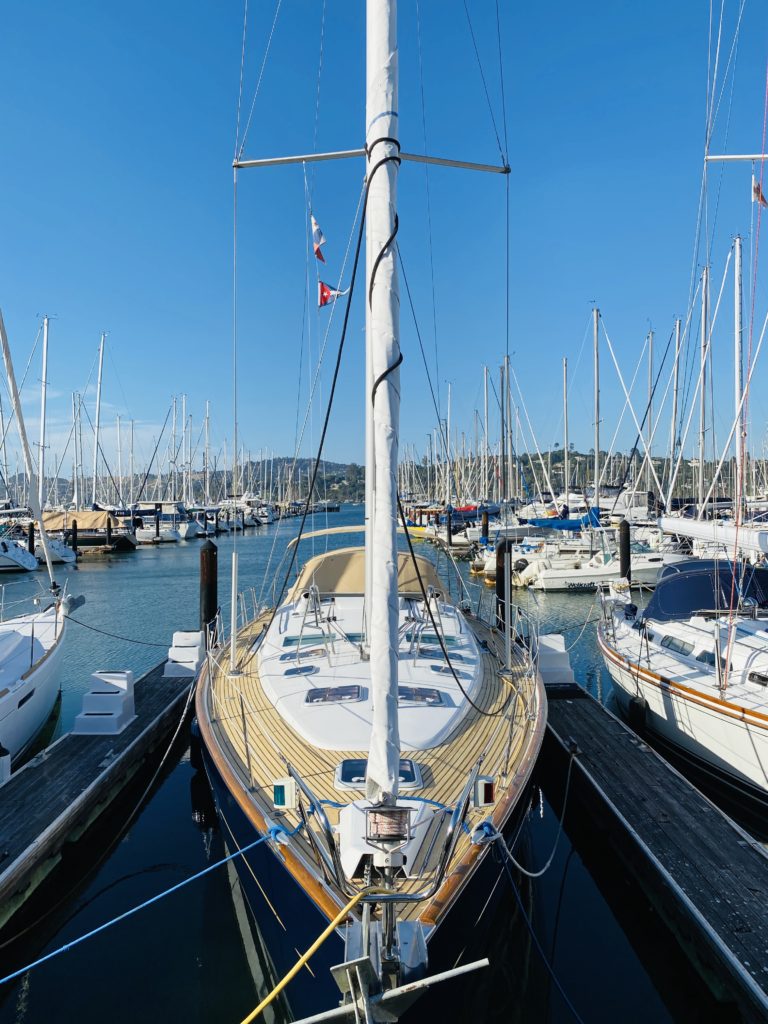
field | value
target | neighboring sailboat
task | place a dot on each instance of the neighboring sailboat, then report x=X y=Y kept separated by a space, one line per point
x=376 y=737
x=693 y=668
x=31 y=646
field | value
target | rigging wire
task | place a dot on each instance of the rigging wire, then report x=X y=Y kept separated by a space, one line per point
x=485 y=85
x=294 y=549
x=429 y=211
x=259 y=80
x=242 y=72
x=743 y=415
x=428 y=608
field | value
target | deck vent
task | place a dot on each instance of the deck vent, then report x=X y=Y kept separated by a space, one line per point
x=758 y=677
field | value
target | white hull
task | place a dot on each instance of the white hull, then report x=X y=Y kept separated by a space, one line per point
x=729 y=737
x=147 y=535
x=500 y=531
x=188 y=530
x=61 y=554
x=15 y=558
x=30 y=693
x=590 y=577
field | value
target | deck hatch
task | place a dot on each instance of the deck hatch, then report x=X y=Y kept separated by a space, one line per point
x=334 y=694
x=419 y=695
x=350 y=774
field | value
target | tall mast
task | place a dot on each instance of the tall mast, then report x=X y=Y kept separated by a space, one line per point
x=75 y=467
x=703 y=382
x=383 y=416
x=649 y=414
x=80 y=435
x=675 y=393
x=448 y=473
x=596 y=333
x=131 y=462
x=508 y=384
x=5 y=451
x=98 y=420
x=502 y=433
x=172 y=467
x=43 y=397
x=566 y=474
x=207 y=455
x=485 y=493
x=183 y=450
x=738 y=377
x=25 y=450
x=119 y=466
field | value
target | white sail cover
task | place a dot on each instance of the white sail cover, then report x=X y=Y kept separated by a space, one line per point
x=383 y=354
x=744 y=537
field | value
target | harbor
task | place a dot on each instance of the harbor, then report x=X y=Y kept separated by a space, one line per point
x=580 y=906
x=384 y=515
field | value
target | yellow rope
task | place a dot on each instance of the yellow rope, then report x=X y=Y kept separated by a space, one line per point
x=312 y=950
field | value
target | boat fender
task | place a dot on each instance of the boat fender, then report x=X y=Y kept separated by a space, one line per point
x=638 y=713
x=520 y=564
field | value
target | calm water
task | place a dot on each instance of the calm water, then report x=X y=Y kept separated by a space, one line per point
x=183 y=959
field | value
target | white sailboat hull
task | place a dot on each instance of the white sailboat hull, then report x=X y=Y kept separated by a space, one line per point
x=730 y=738
x=15 y=558
x=28 y=694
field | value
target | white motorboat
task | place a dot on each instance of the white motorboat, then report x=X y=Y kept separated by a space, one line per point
x=601 y=568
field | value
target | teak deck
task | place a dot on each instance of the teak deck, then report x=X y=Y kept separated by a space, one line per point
x=61 y=791
x=255 y=740
x=706 y=878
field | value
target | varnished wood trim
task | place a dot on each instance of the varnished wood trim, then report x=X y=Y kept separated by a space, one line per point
x=716 y=704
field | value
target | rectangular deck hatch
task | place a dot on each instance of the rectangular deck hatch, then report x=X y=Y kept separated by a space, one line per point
x=350 y=774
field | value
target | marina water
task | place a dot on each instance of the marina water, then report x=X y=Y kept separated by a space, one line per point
x=192 y=957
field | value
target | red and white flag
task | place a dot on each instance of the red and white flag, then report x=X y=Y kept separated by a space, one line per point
x=757 y=193
x=326 y=294
x=318 y=239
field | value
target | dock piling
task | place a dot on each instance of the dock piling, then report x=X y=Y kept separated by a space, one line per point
x=625 y=564
x=209 y=585
x=31 y=538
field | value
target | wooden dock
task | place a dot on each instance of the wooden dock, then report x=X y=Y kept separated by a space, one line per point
x=705 y=877
x=59 y=794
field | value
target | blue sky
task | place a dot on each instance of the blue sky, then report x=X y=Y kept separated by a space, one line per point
x=118 y=131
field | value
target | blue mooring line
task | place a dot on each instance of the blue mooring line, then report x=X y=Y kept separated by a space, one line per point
x=141 y=906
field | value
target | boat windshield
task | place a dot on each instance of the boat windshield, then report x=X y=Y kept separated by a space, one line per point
x=707 y=586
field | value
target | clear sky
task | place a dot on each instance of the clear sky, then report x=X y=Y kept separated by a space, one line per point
x=116 y=203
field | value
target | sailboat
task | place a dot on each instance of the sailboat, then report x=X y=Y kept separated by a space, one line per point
x=31 y=645
x=368 y=739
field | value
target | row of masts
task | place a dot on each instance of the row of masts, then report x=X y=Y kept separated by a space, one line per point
x=174 y=478
x=495 y=472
